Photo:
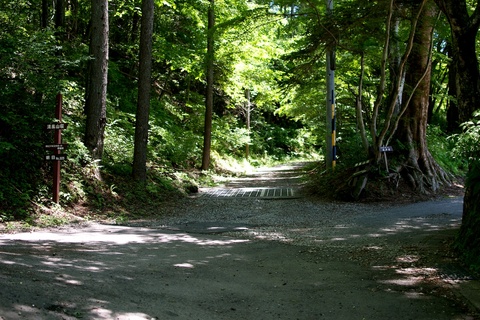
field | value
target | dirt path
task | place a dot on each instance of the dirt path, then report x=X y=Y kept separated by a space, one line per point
x=236 y=257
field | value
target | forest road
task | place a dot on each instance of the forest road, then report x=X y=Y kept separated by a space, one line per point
x=245 y=251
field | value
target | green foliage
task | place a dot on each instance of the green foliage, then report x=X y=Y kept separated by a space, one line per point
x=467 y=145
x=28 y=78
x=263 y=47
x=443 y=149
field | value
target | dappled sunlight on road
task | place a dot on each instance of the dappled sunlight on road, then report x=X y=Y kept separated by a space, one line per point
x=117 y=235
x=358 y=230
x=94 y=262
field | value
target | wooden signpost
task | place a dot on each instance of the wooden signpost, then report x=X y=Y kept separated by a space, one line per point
x=384 y=150
x=57 y=147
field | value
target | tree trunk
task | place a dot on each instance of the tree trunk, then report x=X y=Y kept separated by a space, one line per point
x=359 y=108
x=248 y=109
x=453 y=124
x=60 y=14
x=468 y=239
x=73 y=19
x=44 y=21
x=207 y=136
x=96 y=89
x=144 y=87
x=423 y=172
x=464 y=30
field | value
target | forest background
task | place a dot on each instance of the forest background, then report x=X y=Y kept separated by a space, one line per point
x=156 y=90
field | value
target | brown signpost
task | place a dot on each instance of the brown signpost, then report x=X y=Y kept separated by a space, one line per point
x=57 y=147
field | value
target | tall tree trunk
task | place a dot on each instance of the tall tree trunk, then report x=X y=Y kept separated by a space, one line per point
x=144 y=88
x=248 y=110
x=453 y=123
x=44 y=21
x=73 y=19
x=60 y=14
x=423 y=172
x=359 y=108
x=464 y=29
x=207 y=135
x=96 y=89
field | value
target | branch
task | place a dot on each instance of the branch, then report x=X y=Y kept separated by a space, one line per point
x=358 y=107
x=402 y=111
x=379 y=99
x=403 y=63
x=474 y=22
x=319 y=19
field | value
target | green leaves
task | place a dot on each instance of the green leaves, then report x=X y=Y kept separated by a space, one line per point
x=468 y=142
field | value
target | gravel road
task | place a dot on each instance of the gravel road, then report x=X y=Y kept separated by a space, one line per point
x=239 y=257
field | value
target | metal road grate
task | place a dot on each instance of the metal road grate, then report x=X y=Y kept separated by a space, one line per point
x=250 y=193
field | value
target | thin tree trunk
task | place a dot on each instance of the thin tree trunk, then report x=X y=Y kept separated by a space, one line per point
x=96 y=89
x=144 y=88
x=207 y=136
x=60 y=14
x=453 y=123
x=359 y=108
x=74 y=8
x=397 y=79
x=248 y=109
x=44 y=21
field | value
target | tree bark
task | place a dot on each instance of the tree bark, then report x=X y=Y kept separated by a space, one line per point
x=359 y=108
x=73 y=19
x=453 y=123
x=144 y=88
x=468 y=239
x=207 y=135
x=96 y=89
x=397 y=78
x=44 y=21
x=60 y=14
x=423 y=172
x=464 y=29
